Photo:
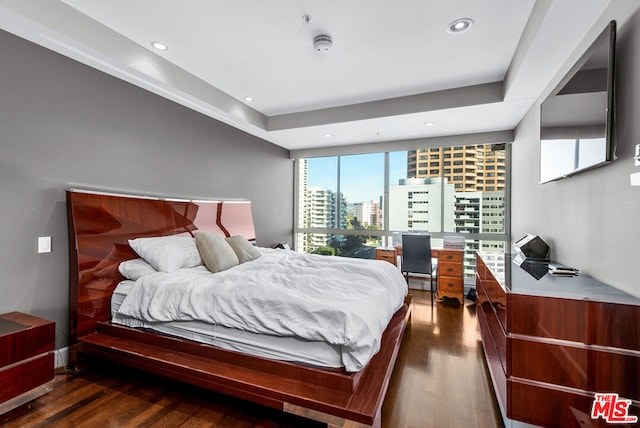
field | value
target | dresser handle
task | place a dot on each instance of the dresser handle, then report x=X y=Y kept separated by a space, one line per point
x=449 y=256
x=449 y=269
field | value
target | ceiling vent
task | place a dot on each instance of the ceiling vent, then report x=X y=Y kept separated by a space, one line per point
x=322 y=43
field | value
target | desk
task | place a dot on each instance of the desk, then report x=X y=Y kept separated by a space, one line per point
x=450 y=277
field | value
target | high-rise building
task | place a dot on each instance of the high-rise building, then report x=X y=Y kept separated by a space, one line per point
x=415 y=205
x=368 y=213
x=303 y=185
x=468 y=168
x=319 y=211
x=479 y=212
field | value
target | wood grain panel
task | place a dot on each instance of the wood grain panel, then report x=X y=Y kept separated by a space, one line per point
x=331 y=378
x=575 y=366
x=36 y=337
x=493 y=327
x=498 y=377
x=497 y=299
x=564 y=319
x=551 y=407
x=20 y=378
x=271 y=389
x=615 y=325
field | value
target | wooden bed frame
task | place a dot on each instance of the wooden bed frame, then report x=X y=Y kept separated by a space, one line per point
x=100 y=226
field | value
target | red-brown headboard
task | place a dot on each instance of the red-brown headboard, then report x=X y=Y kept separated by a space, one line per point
x=100 y=226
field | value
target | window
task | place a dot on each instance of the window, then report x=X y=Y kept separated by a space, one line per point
x=342 y=208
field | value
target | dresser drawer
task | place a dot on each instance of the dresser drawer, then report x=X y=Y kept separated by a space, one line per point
x=388 y=255
x=450 y=256
x=493 y=327
x=494 y=362
x=450 y=269
x=608 y=369
x=543 y=405
x=454 y=285
x=24 y=376
x=496 y=296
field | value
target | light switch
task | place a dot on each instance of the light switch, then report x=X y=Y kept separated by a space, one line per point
x=44 y=244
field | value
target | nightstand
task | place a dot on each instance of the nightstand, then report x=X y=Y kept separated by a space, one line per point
x=27 y=346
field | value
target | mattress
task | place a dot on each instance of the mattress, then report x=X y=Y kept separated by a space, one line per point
x=315 y=353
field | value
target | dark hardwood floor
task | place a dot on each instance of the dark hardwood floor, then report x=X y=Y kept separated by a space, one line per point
x=440 y=380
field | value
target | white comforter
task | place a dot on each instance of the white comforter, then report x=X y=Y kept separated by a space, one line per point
x=346 y=302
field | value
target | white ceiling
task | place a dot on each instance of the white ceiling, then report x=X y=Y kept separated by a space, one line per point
x=392 y=68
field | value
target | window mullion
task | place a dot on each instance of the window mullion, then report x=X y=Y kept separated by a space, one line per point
x=338 y=198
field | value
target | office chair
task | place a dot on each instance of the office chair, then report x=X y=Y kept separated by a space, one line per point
x=416 y=257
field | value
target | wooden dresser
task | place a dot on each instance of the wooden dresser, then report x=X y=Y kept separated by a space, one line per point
x=552 y=344
x=27 y=344
x=451 y=274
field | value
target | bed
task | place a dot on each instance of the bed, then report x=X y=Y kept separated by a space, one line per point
x=339 y=392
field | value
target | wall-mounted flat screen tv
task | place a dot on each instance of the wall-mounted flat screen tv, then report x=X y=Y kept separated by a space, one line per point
x=576 y=119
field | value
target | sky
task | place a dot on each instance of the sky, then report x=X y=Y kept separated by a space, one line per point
x=362 y=176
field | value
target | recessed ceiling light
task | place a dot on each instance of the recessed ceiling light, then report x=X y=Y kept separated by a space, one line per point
x=327 y=135
x=460 y=25
x=429 y=123
x=249 y=99
x=159 y=45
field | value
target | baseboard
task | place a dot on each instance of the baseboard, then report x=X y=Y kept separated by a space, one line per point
x=61 y=357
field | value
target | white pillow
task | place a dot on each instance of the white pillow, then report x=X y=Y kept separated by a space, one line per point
x=215 y=251
x=135 y=269
x=167 y=253
x=243 y=248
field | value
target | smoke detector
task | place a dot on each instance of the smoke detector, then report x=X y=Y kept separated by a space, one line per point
x=322 y=43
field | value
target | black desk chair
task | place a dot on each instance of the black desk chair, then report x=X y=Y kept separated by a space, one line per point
x=416 y=257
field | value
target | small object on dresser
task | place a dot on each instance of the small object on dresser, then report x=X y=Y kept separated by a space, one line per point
x=453 y=242
x=562 y=270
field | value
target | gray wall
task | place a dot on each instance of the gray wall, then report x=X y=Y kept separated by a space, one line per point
x=589 y=220
x=63 y=123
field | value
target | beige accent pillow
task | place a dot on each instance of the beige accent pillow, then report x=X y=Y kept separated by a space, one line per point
x=216 y=253
x=244 y=250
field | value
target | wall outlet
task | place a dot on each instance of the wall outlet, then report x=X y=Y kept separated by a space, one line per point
x=44 y=244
